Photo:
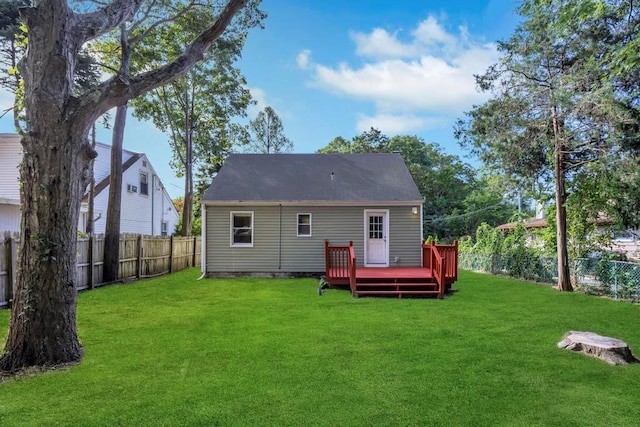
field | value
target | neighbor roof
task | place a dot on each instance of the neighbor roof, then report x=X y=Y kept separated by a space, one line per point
x=313 y=178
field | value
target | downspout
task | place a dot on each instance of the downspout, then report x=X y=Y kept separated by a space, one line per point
x=421 y=233
x=153 y=205
x=203 y=242
x=280 y=238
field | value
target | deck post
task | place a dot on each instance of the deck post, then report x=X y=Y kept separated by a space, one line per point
x=326 y=260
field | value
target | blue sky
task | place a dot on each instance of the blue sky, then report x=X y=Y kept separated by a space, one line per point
x=336 y=68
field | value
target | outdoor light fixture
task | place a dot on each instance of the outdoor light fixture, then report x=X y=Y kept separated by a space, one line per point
x=414 y=210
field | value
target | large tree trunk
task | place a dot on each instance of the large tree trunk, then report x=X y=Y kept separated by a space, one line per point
x=54 y=174
x=564 y=279
x=56 y=167
x=112 y=230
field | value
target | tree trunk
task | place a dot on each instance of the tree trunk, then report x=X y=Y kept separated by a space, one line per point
x=92 y=187
x=187 y=209
x=112 y=230
x=564 y=279
x=56 y=167
x=54 y=174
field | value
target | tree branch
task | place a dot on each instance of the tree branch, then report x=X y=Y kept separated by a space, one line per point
x=156 y=24
x=91 y=25
x=117 y=91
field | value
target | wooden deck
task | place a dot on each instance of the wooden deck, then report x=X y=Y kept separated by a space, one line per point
x=342 y=271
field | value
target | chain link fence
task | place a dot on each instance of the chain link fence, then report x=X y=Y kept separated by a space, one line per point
x=614 y=279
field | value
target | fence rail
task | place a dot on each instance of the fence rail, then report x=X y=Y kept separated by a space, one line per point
x=615 y=279
x=140 y=257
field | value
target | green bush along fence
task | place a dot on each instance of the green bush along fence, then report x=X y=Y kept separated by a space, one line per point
x=140 y=257
x=615 y=279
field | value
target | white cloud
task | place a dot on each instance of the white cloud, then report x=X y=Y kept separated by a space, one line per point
x=411 y=83
x=260 y=97
x=429 y=84
x=304 y=59
x=396 y=124
x=380 y=44
x=431 y=33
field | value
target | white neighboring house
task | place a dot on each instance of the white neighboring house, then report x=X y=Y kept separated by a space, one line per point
x=146 y=207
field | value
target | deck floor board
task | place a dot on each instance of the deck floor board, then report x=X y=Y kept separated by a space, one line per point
x=391 y=273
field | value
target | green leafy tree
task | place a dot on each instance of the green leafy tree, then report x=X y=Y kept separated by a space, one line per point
x=268 y=134
x=551 y=111
x=196 y=110
x=54 y=173
x=11 y=43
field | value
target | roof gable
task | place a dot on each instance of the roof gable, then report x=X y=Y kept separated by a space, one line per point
x=375 y=177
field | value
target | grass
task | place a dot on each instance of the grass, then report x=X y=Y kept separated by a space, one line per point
x=176 y=351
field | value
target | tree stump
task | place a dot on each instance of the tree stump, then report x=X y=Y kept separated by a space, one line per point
x=611 y=350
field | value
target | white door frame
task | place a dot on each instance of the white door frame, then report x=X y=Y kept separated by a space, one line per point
x=385 y=227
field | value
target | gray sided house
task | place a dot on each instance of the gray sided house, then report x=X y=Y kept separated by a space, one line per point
x=271 y=213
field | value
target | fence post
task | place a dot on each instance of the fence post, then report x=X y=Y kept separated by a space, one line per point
x=171 y=254
x=195 y=246
x=13 y=265
x=615 y=280
x=8 y=262
x=91 y=261
x=140 y=250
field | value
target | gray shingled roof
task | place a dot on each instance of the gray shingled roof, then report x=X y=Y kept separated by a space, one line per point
x=313 y=178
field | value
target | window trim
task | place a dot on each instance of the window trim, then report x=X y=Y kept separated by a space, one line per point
x=298 y=225
x=252 y=228
x=146 y=175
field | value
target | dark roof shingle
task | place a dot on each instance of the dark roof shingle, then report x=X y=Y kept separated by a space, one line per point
x=313 y=178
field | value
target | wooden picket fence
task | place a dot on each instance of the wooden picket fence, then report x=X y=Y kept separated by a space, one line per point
x=140 y=257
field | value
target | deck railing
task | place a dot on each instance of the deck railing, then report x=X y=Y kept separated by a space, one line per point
x=449 y=254
x=352 y=268
x=442 y=260
x=340 y=264
x=438 y=269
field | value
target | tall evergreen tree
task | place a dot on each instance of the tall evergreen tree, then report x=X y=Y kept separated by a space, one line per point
x=552 y=110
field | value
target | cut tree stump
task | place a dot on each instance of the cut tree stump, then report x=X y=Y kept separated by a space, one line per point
x=611 y=350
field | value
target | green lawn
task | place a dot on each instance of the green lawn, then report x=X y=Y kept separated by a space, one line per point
x=176 y=351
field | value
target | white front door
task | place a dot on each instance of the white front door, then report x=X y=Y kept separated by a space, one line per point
x=376 y=238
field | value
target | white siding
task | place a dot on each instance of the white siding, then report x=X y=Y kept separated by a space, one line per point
x=139 y=214
x=102 y=164
x=9 y=218
x=10 y=158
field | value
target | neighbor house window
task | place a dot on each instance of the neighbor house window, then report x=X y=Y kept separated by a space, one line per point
x=163 y=228
x=144 y=184
x=242 y=229
x=304 y=225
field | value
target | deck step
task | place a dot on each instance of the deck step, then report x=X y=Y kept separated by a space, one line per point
x=362 y=293
x=396 y=292
x=390 y=284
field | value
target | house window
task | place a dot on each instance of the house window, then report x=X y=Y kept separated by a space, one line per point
x=304 y=225
x=163 y=228
x=144 y=184
x=242 y=229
